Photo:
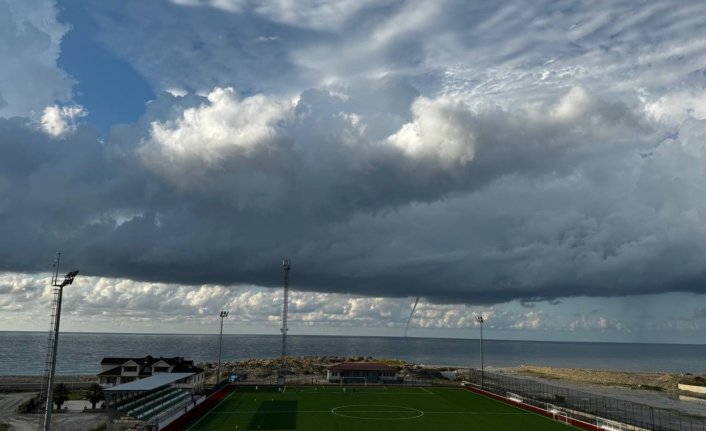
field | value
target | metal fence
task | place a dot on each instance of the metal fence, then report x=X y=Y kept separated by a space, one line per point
x=320 y=379
x=587 y=406
x=35 y=386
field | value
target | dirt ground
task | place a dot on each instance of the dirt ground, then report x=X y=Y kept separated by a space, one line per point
x=654 y=389
x=73 y=420
x=632 y=380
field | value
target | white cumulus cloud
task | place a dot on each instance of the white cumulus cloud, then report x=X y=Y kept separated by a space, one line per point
x=58 y=120
x=30 y=39
x=441 y=131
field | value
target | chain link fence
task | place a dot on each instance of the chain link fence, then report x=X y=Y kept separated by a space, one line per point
x=586 y=406
x=320 y=379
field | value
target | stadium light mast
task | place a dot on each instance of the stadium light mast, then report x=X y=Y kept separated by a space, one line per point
x=223 y=314
x=480 y=319
x=53 y=343
x=286 y=266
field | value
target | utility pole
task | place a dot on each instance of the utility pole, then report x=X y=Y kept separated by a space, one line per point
x=220 y=347
x=481 y=320
x=53 y=344
x=285 y=267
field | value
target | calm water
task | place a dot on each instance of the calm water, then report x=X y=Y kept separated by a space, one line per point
x=23 y=353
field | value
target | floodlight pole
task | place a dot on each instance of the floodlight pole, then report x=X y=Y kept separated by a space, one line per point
x=54 y=341
x=481 y=320
x=220 y=347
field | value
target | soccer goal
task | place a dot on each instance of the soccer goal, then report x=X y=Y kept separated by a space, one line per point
x=354 y=381
x=557 y=413
x=514 y=397
x=609 y=425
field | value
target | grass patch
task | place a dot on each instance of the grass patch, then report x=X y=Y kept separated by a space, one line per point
x=646 y=387
x=275 y=415
x=4 y=427
x=367 y=408
x=77 y=395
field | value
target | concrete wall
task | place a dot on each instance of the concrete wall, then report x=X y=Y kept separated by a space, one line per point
x=692 y=388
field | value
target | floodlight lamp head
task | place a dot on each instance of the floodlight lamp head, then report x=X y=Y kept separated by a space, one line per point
x=480 y=319
x=285 y=264
x=224 y=314
x=69 y=278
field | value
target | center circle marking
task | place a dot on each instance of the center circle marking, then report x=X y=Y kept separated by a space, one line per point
x=377 y=412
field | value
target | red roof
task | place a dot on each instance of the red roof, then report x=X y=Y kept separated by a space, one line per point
x=361 y=366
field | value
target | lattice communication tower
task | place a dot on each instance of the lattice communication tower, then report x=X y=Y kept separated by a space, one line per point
x=286 y=266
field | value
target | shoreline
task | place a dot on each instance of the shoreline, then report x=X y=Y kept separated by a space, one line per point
x=638 y=380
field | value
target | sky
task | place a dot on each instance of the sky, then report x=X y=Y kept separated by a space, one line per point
x=542 y=164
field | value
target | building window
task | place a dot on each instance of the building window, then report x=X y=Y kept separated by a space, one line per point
x=129 y=369
x=161 y=369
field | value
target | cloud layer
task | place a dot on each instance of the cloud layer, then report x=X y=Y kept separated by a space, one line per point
x=119 y=305
x=463 y=152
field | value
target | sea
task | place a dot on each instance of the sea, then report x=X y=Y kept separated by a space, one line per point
x=24 y=353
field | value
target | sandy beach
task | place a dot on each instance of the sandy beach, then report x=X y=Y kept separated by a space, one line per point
x=663 y=382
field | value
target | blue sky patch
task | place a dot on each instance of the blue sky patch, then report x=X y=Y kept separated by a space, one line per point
x=110 y=89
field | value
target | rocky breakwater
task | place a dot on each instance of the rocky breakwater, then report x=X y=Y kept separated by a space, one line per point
x=316 y=366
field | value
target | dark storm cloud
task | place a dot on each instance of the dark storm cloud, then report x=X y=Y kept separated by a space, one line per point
x=428 y=198
x=508 y=152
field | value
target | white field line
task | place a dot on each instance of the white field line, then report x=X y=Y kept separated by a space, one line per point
x=480 y=413
x=364 y=393
x=371 y=411
x=426 y=390
x=209 y=412
x=271 y=411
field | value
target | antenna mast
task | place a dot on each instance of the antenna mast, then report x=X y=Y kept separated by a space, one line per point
x=286 y=267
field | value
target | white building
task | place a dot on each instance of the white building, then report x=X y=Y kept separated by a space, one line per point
x=118 y=371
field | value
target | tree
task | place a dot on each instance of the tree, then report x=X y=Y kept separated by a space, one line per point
x=29 y=406
x=95 y=394
x=61 y=395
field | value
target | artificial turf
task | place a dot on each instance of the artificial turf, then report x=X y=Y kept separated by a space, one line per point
x=373 y=408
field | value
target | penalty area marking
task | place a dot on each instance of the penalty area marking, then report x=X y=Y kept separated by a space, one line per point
x=370 y=411
x=209 y=412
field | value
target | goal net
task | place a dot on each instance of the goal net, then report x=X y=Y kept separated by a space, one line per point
x=557 y=413
x=354 y=381
x=514 y=397
x=609 y=425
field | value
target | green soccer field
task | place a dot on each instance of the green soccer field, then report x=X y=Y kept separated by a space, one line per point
x=371 y=408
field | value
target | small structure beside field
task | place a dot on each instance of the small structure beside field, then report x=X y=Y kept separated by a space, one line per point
x=362 y=373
